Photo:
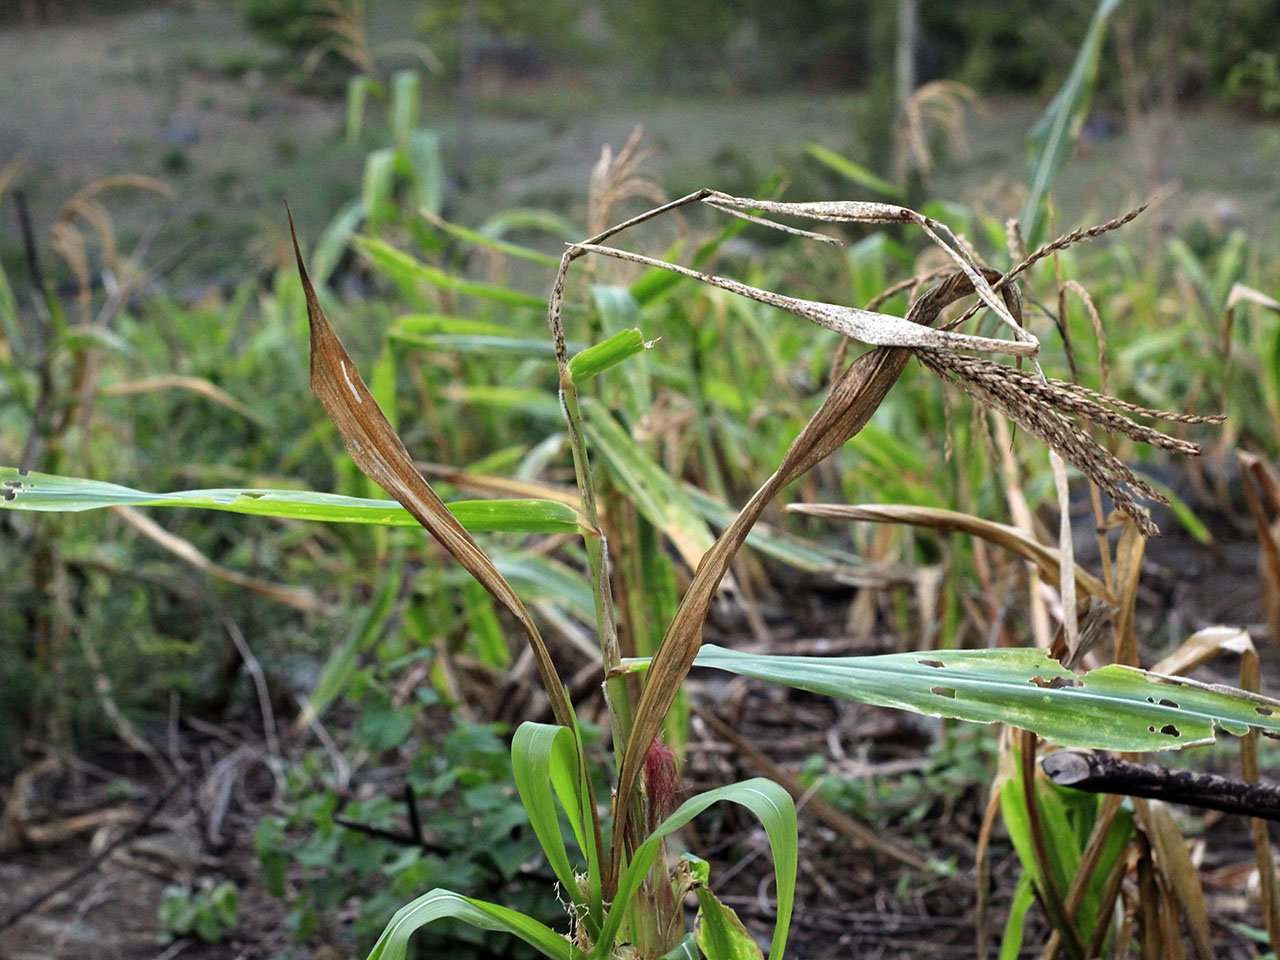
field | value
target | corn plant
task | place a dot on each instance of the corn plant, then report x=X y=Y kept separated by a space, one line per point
x=623 y=896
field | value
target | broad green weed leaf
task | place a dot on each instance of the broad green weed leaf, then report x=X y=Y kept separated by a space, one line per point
x=720 y=933
x=686 y=949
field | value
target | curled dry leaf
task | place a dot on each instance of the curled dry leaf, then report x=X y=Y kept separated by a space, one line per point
x=378 y=451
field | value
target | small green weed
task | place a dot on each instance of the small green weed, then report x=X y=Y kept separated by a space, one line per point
x=207 y=911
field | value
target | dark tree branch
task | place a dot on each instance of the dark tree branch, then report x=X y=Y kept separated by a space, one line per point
x=1100 y=773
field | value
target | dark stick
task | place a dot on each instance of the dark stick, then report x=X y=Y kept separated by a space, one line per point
x=1100 y=773
x=394 y=836
x=92 y=864
x=415 y=823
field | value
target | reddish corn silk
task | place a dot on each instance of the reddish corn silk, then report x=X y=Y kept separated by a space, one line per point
x=661 y=781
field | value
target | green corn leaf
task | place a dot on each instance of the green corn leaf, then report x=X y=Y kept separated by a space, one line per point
x=409 y=273
x=431 y=324
x=536 y=402
x=599 y=357
x=655 y=494
x=378 y=189
x=1024 y=896
x=483 y=345
x=686 y=949
x=1058 y=128
x=482 y=621
x=548 y=766
x=526 y=218
x=1112 y=708
x=333 y=241
x=543 y=579
x=776 y=812
x=855 y=172
x=52 y=494
x=445 y=904
x=406 y=96
x=816 y=558
x=479 y=239
x=427 y=166
x=618 y=311
x=357 y=95
x=656 y=283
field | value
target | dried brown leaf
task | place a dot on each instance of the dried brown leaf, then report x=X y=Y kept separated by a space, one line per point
x=378 y=451
x=1046 y=559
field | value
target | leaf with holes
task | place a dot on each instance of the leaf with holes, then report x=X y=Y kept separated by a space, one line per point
x=1112 y=708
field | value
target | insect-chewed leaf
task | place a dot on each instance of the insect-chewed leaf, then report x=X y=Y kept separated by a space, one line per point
x=378 y=451
x=1111 y=708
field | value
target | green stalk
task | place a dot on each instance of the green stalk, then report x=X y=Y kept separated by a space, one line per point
x=597 y=547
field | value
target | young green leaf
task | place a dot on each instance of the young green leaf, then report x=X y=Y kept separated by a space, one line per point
x=409 y=273
x=855 y=172
x=776 y=812
x=548 y=765
x=1057 y=130
x=720 y=932
x=655 y=494
x=599 y=357
x=443 y=904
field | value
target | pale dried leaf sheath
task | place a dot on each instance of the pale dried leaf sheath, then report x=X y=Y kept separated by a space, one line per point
x=875 y=329
x=856 y=211
x=378 y=451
